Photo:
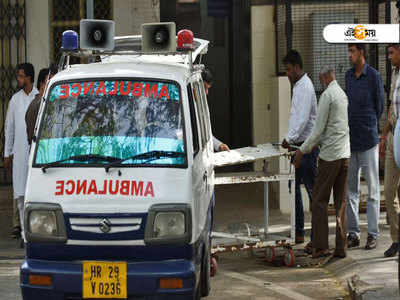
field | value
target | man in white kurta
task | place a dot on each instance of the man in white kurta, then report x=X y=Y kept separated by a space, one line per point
x=16 y=148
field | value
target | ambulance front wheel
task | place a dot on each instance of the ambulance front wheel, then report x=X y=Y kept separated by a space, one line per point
x=197 y=294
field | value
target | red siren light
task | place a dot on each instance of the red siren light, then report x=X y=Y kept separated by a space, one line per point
x=185 y=40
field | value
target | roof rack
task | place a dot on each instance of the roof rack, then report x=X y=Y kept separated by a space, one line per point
x=131 y=46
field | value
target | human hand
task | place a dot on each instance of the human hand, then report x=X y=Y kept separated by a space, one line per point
x=285 y=144
x=297 y=159
x=223 y=147
x=8 y=162
x=382 y=146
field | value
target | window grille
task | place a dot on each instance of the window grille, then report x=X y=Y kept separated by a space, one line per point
x=66 y=14
x=12 y=53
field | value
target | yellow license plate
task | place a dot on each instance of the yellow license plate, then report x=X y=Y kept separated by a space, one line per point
x=104 y=280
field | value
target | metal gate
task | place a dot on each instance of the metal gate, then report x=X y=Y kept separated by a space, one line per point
x=13 y=52
x=66 y=14
x=299 y=25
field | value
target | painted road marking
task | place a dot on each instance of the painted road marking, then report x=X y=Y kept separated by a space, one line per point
x=267 y=285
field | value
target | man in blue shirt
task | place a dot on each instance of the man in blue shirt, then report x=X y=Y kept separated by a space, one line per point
x=364 y=89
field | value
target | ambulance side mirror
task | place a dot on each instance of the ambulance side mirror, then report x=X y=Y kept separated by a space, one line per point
x=97 y=34
x=159 y=37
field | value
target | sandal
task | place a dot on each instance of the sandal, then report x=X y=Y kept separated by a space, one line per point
x=317 y=253
x=308 y=248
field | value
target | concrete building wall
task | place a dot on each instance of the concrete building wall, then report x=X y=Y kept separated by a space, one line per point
x=263 y=70
x=130 y=14
x=38 y=34
x=271 y=97
x=280 y=124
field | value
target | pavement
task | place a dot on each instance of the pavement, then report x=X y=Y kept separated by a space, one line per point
x=374 y=270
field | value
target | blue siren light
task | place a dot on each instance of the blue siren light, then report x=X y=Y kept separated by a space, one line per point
x=69 y=41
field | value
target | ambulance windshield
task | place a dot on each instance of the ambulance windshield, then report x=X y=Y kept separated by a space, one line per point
x=112 y=118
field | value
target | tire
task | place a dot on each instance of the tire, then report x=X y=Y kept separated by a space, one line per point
x=289 y=258
x=270 y=254
x=205 y=282
x=214 y=266
x=197 y=293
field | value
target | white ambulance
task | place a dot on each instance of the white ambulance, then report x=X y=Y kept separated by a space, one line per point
x=119 y=196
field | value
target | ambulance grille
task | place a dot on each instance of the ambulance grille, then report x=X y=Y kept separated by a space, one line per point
x=105 y=225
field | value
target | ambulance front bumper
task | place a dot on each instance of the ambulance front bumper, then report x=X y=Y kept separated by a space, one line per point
x=143 y=279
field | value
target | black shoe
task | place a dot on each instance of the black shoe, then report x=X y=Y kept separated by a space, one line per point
x=299 y=239
x=392 y=251
x=16 y=232
x=339 y=253
x=352 y=241
x=308 y=248
x=371 y=243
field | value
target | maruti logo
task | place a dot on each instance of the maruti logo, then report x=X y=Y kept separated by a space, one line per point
x=105 y=226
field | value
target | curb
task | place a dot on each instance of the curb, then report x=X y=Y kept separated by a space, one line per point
x=12 y=256
x=343 y=269
x=347 y=272
x=9 y=250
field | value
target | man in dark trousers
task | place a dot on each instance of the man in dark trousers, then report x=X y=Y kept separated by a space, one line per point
x=33 y=109
x=392 y=172
x=303 y=112
x=364 y=89
x=331 y=133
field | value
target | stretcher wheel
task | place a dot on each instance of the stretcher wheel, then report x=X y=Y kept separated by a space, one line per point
x=289 y=258
x=213 y=267
x=270 y=254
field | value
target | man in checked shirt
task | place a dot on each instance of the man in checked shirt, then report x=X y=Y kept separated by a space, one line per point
x=364 y=89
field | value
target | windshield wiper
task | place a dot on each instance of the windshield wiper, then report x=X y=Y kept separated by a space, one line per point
x=148 y=156
x=84 y=157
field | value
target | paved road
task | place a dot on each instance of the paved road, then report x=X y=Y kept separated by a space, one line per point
x=238 y=278
x=9 y=280
x=248 y=277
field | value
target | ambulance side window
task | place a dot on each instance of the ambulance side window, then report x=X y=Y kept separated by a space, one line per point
x=205 y=109
x=200 y=112
x=193 y=121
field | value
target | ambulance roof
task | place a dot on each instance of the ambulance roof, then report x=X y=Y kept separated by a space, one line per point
x=135 y=68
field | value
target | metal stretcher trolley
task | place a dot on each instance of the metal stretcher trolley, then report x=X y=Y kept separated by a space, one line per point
x=277 y=246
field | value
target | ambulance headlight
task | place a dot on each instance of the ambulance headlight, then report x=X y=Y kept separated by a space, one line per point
x=44 y=222
x=169 y=224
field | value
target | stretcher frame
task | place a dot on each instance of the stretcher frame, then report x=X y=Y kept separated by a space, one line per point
x=221 y=240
